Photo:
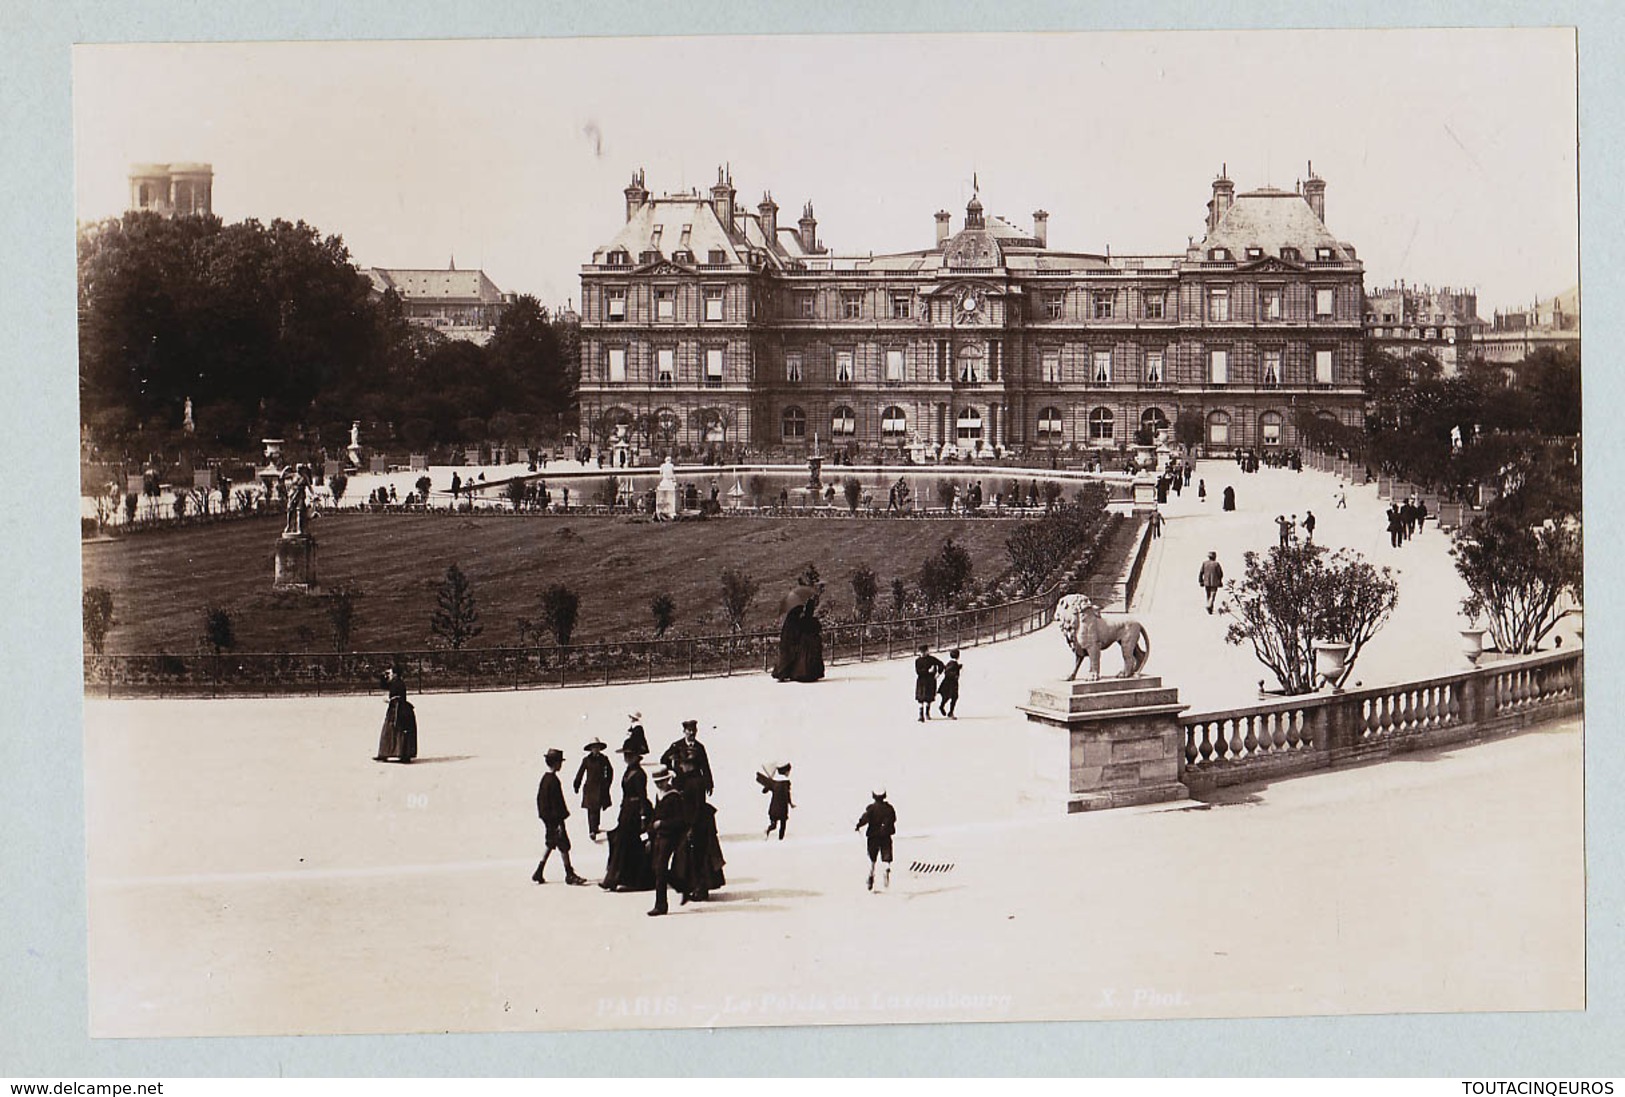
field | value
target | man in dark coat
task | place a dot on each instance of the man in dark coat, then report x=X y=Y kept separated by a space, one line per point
x=552 y=810
x=667 y=830
x=691 y=768
x=594 y=777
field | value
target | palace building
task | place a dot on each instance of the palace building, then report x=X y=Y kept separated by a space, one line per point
x=705 y=324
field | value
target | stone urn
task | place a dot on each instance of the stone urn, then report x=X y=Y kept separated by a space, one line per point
x=1472 y=644
x=1331 y=656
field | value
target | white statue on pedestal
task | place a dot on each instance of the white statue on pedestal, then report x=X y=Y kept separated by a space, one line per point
x=666 y=491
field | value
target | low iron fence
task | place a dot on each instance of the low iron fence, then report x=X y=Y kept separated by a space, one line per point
x=239 y=674
x=1315 y=731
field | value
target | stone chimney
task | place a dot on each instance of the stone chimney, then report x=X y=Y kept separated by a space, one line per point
x=1314 y=192
x=1224 y=196
x=768 y=211
x=636 y=194
x=722 y=199
x=1041 y=228
x=942 y=227
x=809 y=230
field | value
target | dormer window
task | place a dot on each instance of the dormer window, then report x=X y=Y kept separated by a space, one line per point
x=619 y=258
x=682 y=256
x=717 y=255
x=1290 y=255
x=1325 y=255
x=650 y=255
x=1219 y=255
x=1255 y=253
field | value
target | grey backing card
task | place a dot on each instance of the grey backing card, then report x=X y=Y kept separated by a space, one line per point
x=43 y=1012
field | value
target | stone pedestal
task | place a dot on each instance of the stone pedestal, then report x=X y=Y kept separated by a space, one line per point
x=295 y=562
x=1125 y=739
x=1145 y=492
x=815 y=469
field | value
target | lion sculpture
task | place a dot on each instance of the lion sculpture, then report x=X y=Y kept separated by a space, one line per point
x=1088 y=633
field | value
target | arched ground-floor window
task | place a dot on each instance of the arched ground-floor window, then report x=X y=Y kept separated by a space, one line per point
x=1051 y=426
x=968 y=427
x=1269 y=428
x=1100 y=425
x=893 y=424
x=843 y=422
x=794 y=424
x=1218 y=428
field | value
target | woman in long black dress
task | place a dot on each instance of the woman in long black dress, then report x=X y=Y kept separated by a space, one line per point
x=789 y=644
x=629 y=867
x=801 y=645
x=399 y=737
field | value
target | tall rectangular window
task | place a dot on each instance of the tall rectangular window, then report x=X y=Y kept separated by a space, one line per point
x=615 y=299
x=1103 y=367
x=713 y=365
x=843 y=365
x=1153 y=367
x=1218 y=366
x=1154 y=303
x=902 y=306
x=1103 y=305
x=894 y=364
x=1053 y=303
x=665 y=304
x=713 y=303
x=665 y=365
x=617 y=364
x=792 y=367
x=804 y=306
x=1323 y=367
x=851 y=306
x=1272 y=367
x=1050 y=367
x=1323 y=303
x=1218 y=304
x=1271 y=303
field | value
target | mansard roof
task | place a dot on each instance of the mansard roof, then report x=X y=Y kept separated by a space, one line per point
x=1273 y=219
x=684 y=223
x=449 y=286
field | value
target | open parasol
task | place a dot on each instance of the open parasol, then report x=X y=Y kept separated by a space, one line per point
x=798 y=596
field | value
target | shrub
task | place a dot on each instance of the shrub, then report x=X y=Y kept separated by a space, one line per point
x=219 y=628
x=516 y=492
x=341 y=616
x=336 y=484
x=456 y=617
x=944 y=574
x=899 y=596
x=560 y=608
x=865 y=588
x=738 y=592
x=423 y=485
x=664 y=609
x=98 y=615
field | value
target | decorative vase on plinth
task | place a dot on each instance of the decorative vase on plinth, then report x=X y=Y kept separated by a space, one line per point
x=1330 y=658
x=1472 y=644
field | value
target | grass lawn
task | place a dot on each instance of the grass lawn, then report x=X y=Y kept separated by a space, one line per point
x=162 y=581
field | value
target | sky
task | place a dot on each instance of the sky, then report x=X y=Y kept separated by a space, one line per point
x=1449 y=156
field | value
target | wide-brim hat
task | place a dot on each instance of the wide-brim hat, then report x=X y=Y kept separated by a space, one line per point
x=635 y=717
x=662 y=776
x=554 y=754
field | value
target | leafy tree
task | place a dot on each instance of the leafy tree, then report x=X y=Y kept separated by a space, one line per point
x=560 y=608
x=526 y=355
x=664 y=608
x=336 y=484
x=865 y=588
x=738 y=592
x=456 y=617
x=1518 y=568
x=219 y=628
x=1189 y=429
x=853 y=490
x=341 y=616
x=98 y=615
x=1301 y=593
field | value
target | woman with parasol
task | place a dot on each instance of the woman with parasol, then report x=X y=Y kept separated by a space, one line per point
x=801 y=640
